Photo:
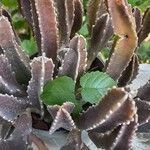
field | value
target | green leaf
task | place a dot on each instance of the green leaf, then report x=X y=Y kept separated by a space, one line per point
x=29 y=46
x=144 y=51
x=142 y=4
x=9 y=3
x=59 y=91
x=95 y=85
x=84 y=30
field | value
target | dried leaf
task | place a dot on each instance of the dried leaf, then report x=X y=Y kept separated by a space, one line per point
x=42 y=71
x=63 y=118
x=17 y=58
x=45 y=24
x=124 y=26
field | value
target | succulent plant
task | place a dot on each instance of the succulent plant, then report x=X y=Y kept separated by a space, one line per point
x=58 y=90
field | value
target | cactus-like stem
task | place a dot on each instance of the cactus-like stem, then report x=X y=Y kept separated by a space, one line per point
x=104 y=140
x=62 y=117
x=130 y=72
x=8 y=83
x=65 y=10
x=143 y=92
x=138 y=18
x=78 y=14
x=14 y=105
x=126 y=134
x=74 y=63
x=95 y=9
x=143 y=111
x=25 y=8
x=106 y=111
x=16 y=56
x=123 y=115
x=124 y=26
x=45 y=27
x=41 y=71
x=74 y=141
x=101 y=33
x=145 y=29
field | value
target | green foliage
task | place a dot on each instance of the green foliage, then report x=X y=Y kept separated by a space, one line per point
x=9 y=3
x=95 y=85
x=144 y=51
x=142 y=4
x=60 y=90
x=84 y=30
x=18 y=22
x=85 y=3
x=29 y=46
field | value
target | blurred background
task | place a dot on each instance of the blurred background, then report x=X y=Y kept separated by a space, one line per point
x=29 y=45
